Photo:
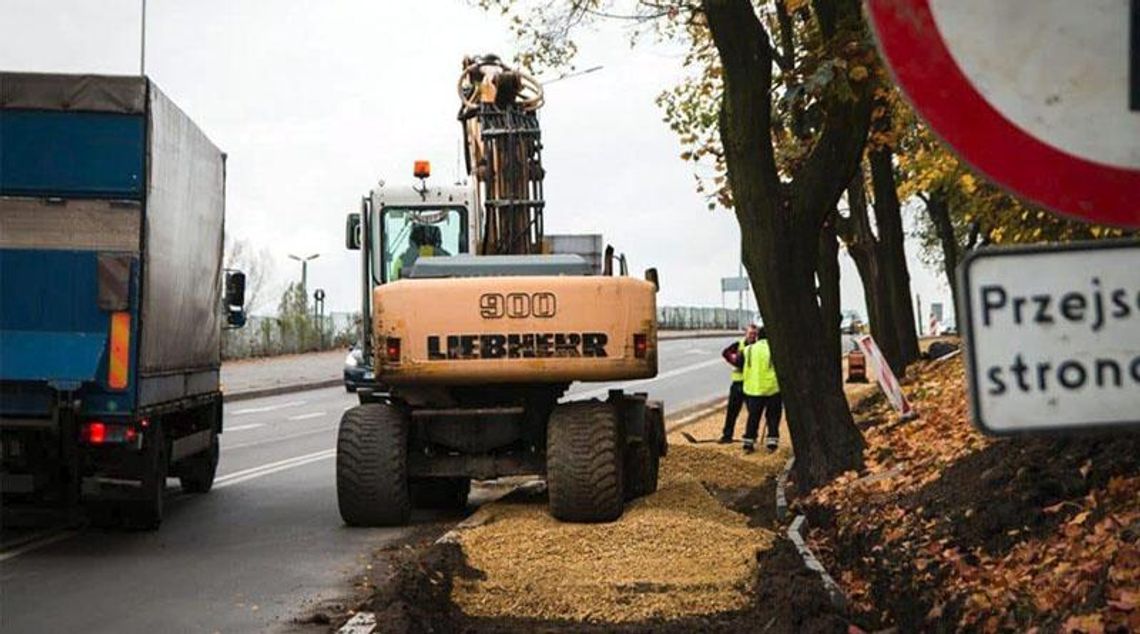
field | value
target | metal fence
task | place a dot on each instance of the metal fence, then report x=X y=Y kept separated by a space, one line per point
x=270 y=336
x=702 y=318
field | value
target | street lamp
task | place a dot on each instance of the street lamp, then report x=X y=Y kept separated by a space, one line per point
x=304 y=270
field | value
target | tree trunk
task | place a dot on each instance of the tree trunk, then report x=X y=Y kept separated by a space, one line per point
x=827 y=274
x=888 y=218
x=938 y=207
x=780 y=226
x=868 y=255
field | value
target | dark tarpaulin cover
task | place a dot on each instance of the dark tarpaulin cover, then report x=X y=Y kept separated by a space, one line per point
x=92 y=93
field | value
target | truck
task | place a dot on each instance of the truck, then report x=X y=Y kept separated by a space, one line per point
x=475 y=330
x=113 y=299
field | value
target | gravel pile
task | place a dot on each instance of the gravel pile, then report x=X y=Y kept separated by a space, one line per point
x=674 y=554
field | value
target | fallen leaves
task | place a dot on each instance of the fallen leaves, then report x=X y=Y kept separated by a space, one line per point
x=1078 y=571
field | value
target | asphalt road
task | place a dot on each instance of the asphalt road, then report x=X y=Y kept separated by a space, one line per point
x=266 y=542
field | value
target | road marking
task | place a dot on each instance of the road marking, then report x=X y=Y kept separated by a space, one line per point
x=245 y=427
x=277 y=439
x=37 y=544
x=628 y=384
x=221 y=482
x=267 y=408
x=307 y=416
x=274 y=467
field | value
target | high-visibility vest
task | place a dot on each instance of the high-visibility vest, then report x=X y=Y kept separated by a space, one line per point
x=737 y=373
x=759 y=373
x=425 y=250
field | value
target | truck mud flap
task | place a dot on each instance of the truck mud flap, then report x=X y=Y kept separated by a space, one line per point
x=190 y=444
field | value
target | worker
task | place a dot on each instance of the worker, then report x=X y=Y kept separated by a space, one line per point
x=761 y=393
x=734 y=355
x=426 y=241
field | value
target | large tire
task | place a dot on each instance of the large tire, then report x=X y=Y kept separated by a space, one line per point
x=441 y=493
x=642 y=461
x=197 y=472
x=372 y=466
x=145 y=513
x=584 y=463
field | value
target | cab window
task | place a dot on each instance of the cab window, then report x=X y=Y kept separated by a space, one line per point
x=408 y=233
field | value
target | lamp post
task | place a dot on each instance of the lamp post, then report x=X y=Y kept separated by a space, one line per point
x=304 y=270
x=142 y=40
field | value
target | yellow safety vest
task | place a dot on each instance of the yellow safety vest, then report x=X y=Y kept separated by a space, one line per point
x=759 y=373
x=426 y=250
x=738 y=374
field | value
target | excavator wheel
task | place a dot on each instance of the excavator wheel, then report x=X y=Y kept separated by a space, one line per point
x=642 y=461
x=584 y=460
x=641 y=467
x=372 y=466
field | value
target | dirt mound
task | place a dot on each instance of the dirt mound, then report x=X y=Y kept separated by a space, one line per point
x=787 y=598
x=948 y=529
x=684 y=559
x=677 y=552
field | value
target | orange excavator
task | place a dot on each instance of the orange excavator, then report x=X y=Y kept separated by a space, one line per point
x=475 y=331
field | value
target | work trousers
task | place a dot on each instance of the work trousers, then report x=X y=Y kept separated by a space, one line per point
x=735 y=402
x=771 y=407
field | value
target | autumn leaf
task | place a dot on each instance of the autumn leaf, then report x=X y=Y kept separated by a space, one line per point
x=1086 y=624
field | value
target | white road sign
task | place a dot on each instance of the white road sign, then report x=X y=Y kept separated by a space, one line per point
x=1053 y=336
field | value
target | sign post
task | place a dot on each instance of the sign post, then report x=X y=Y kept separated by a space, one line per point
x=1053 y=336
x=1041 y=96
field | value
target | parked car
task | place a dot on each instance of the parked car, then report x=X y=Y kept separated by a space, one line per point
x=355 y=369
x=851 y=323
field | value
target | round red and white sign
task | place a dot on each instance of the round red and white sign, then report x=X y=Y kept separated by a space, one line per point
x=1041 y=96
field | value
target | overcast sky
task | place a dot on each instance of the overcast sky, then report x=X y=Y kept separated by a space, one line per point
x=315 y=101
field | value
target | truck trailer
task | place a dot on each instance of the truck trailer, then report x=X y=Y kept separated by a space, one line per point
x=113 y=298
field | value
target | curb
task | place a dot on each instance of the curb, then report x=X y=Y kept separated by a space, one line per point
x=812 y=563
x=781 y=484
x=245 y=395
x=531 y=488
x=691 y=415
x=360 y=623
x=681 y=334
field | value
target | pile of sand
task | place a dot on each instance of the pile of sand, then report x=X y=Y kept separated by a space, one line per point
x=676 y=553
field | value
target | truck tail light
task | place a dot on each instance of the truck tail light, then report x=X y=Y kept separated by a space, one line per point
x=392 y=349
x=99 y=433
x=640 y=345
x=119 y=359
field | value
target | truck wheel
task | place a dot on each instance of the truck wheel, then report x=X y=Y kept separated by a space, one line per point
x=584 y=462
x=441 y=493
x=145 y=513
x=196 y=473
x=372 y=466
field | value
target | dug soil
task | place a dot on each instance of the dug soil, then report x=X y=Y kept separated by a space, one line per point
x=704 y=554
x=416 y=598
x=949 y=530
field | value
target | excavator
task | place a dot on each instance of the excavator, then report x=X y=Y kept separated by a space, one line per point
x=476 y=327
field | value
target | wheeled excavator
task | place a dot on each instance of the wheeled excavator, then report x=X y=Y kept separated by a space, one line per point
x=475 y=331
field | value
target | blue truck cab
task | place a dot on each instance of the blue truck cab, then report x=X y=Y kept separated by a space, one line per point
x=112 y=297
